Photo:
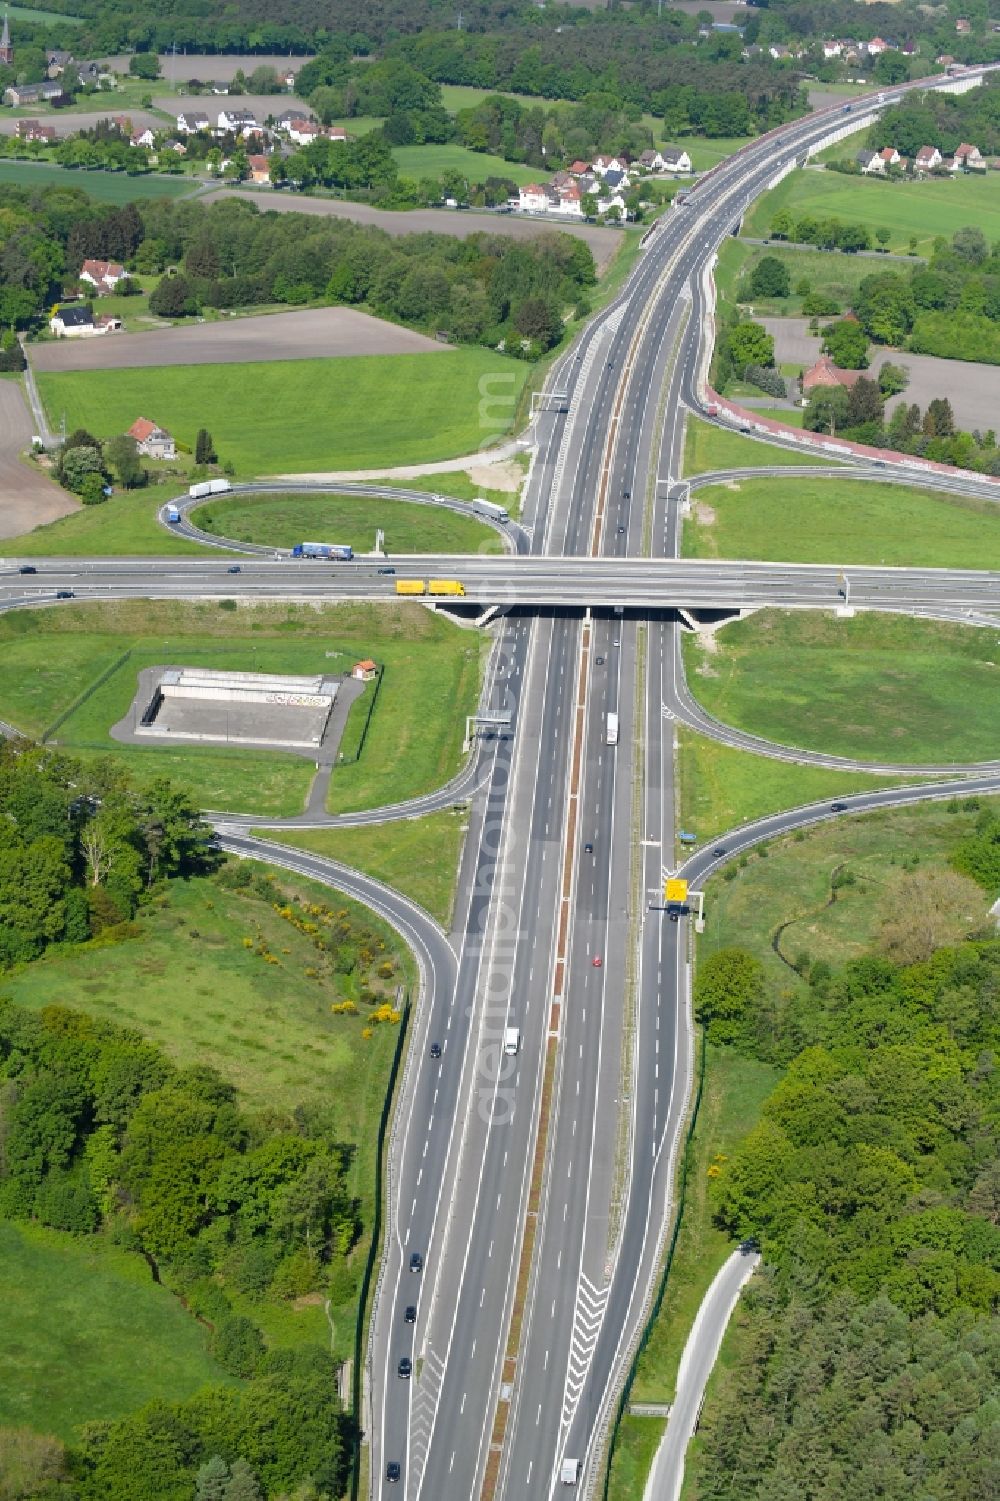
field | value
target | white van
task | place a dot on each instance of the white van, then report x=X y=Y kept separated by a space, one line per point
x=570 y=1472
x=511 y=1040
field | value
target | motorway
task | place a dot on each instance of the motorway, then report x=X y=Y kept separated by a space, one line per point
x=519 y=1345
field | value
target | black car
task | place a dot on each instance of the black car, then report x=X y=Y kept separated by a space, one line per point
x=588 y=848
x=435 y=1050
x=626 y=495
x=405 y=1368
x=385 y=570
x=749 y=1246
x=416 y=1262
x=599 y=661
x=392 y=1471
x=235 y=569
x=621 y=529
x=27 y=568
x=838 y=807
x=65 y=594
x=720 y=851
x=410 y=1313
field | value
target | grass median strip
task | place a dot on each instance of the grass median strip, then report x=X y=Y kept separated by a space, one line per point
x=879 y=686
x=842 y=521
x=708 y=448
x=283 y=520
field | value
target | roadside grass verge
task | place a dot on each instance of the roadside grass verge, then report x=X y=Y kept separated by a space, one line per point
x=88 y=1336
x=721 y=787
x=841 y=521
x=417 y=856
x=934 y=206
x=636 y=1442
x=792 y=885
x=734 y=1092
x=879 y=686
x=707 y=448
x=123 y=526
x=431 y=678
x=829 y=271
x=284 y=520
x=305 y=415
x=108 y=187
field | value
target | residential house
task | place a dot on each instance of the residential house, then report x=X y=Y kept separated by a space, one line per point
x=909 y=49
x=676 y=159
x=615 y=180
x=578 y=169
x=72 y=323
x=288 y=79
x=89 y=74
x=870 y=162
x=290 y=117
x=142 y=137
x=890 y=156
x=964 y=28
x=608 y=201
x=533 y=199
x=877 y=46
x=218 y=86
x=651 y=161
x=967 y=159
x=177 y=146
x=108 y=323
x=832 y=49
x=335 y=133
x=926 y=159
x=103 y=276
x=365 y=670
x=152 y=441
x=260 y=168
x=236 y=121
x=191 y=121
x=569 y=199
x=602 y=165
x=826 y=373
x=779 y=52
x=944 y=60
x=123 y=124
x=56 y=61
x=34 y=130
x=302 y=132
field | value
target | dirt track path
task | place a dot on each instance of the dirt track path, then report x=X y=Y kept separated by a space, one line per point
x=27 y=498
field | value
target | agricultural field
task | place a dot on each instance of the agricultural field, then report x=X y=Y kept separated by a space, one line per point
x=284 y=520
x=123 y=526
x=41 y=17
x=925 y=209
x=373 y=411
x=841 y=521
x=72 y=673
x=108 y=187
x=88 y=1335
x=432 y=161
x=877 y=687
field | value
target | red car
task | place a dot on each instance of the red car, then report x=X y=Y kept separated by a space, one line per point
x=598 y=961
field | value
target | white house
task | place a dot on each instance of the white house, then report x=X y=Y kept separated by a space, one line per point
x=890 y=156
x=927 y=158
x=302 y=132
x=142 y=138
x=832 y=49
x=534 y=199
x=103 y=275
x=153 y=441
x=612 y=200
x=191 y=121
x=236 y=120
x=676 y=159
x=967 y=159
x=651 y=161
x=871 y=163
x=72 y=323
x=602 y=165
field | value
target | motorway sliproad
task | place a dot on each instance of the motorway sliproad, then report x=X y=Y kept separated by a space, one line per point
x=539 y=1239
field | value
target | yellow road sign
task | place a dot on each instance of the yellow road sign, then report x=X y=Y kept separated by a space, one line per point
x=675 y=891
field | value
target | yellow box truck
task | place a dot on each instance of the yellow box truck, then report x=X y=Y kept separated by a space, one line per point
x=410 y=586
x=445 y=586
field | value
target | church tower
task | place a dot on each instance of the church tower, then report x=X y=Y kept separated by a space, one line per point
x=6 y=50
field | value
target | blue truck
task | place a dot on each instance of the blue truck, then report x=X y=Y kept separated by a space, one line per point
x=173 y=515
x=337 y=552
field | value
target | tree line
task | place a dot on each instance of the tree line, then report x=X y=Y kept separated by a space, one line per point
x=941 y=120
x=872 y=1182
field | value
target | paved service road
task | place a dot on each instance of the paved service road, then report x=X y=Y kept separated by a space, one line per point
x=667 y=1471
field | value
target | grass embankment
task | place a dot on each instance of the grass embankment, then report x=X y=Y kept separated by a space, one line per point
x=926 y=208
x=49 y=658
x=124 y=526
x=303 y=415
x=842 y=521
x=418 y=856
x=829 y=271
x=284 y=520
x=790 y=888
x=880 y=687
x=109 y=187
x=87 y=1334
x=708 y=448
x=721 y=788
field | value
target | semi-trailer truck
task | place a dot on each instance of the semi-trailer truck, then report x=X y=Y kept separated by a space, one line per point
x=493 y=512
x=209 y=487
x=337 y=552
x=411 y=586
x=445 y=586
x=612 y=733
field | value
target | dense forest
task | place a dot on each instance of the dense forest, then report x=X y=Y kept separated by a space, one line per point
x=870 y=1350
x=487 y=288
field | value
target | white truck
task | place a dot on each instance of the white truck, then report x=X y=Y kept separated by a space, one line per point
x=511 y=1041
x=209 y=487
x=569 y=1473
x=611 y=737
x=493 y=512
